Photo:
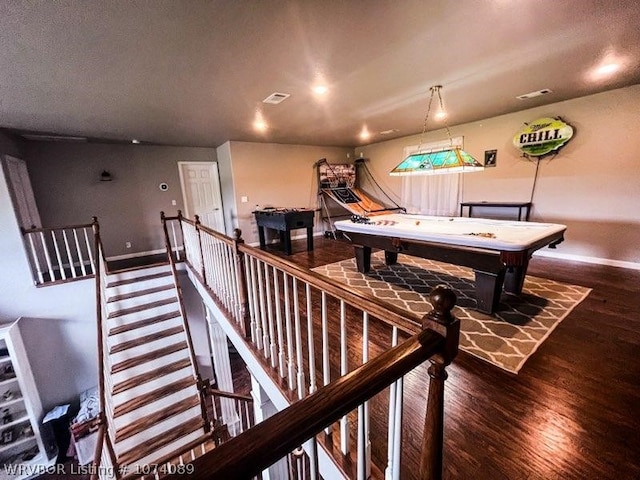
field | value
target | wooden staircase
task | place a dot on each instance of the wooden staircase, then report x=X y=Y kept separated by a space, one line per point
x=153 y=404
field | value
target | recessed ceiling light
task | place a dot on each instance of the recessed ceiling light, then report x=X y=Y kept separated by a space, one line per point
x=259 y=122
x=609 y=65
x=607 y=69
x=320 y=89
x=365 y=134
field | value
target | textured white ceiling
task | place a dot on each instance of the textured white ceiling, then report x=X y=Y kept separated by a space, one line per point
x=193 y=72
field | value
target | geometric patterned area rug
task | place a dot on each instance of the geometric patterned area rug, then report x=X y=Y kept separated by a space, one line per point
x=506 y=339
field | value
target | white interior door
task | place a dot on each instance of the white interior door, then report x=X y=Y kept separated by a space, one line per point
x=21 y=192
x=201 y=193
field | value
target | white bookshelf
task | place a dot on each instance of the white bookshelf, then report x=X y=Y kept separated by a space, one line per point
x=23 y=451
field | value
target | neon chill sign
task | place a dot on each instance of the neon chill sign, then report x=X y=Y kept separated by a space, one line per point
x=542 y=136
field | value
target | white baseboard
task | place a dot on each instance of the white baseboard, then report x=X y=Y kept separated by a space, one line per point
x=137 y=254
x=586 y=259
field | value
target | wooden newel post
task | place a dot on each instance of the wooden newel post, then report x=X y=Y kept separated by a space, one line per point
x=202 y=270
x=443 y=322
x=242 y=284
x=184 y=245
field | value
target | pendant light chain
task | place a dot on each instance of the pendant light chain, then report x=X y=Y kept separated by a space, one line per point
x=426 y=117
x=434 y=90
x=446 y=126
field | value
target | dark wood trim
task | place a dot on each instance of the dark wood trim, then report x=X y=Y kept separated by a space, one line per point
x=234 y=396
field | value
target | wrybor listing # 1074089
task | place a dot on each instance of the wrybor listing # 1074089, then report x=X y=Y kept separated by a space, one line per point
x=25 y=470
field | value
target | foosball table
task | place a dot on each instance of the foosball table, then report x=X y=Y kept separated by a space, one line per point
x=284 y=220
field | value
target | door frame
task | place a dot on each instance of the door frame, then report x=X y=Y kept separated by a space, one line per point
x=216 y=173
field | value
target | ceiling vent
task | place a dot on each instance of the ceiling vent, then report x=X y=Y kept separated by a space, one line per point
x=276 y=98
x=52 y=138
x=537 y=93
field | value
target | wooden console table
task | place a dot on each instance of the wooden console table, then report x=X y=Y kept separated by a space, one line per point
x=526 y=206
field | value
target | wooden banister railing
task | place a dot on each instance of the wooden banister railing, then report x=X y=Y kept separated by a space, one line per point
x=183 y=314
x=104 y=453
x=60 y=254
x=251 y=452
x=242 y=405
x=302 y=326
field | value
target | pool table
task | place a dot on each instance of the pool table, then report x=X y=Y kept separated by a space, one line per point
x=497 y=250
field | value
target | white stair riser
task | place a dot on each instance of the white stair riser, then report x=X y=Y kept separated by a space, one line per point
x=146 y=387
x=137 y=286
x=148 y=348
x=156 y=406
x=119 y=377
x=139 y=272
x=142 y=300
x=170 y=448
x=129 y=335
x=143 y=315
x=158 y=429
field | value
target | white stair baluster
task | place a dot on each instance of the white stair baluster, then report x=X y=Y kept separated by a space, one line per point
x=344 y=421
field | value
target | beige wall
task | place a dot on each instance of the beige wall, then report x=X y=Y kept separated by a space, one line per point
x=277 y=175
x=227 y=189
x=592 y=185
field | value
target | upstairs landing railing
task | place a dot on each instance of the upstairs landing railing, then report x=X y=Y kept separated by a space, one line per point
x=311 y=333
x=60 y=254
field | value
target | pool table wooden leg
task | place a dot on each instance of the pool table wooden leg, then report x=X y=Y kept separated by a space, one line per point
x=390 y=258
x=488 y=290
x=514 y=279
x=363 y=258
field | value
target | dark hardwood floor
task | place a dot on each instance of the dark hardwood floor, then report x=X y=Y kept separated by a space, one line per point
x=573 y=411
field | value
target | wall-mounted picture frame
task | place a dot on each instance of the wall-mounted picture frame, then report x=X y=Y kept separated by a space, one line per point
x=490 y=157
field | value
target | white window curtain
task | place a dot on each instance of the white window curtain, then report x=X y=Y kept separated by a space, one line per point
x=438 y=195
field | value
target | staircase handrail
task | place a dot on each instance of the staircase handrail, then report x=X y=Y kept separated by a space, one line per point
x=275 y=437
x=100 y=264
x=185 y=323
x=231 y=395
x=35 y=229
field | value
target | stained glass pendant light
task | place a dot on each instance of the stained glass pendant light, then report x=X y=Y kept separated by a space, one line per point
x=440 y=161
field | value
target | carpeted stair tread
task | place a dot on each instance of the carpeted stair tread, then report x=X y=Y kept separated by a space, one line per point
x=150 y=397
x=143 y=307
x=155 y=418
x=143 y=323
x=141 y=451
x=150 y=376
x=140 y=293
x=146 y=339
x=141 y=278
x=147 y=357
